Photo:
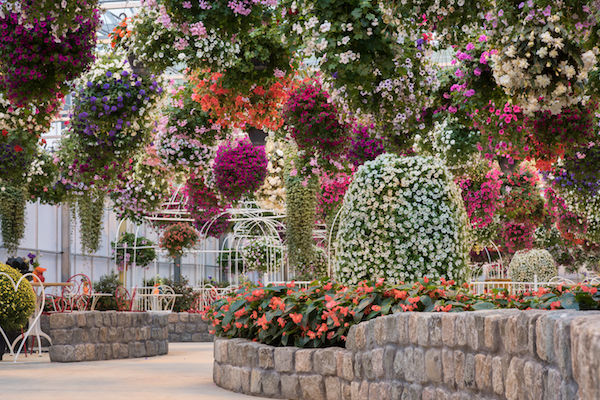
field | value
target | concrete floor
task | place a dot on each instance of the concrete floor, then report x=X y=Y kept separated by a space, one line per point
x=185 y=373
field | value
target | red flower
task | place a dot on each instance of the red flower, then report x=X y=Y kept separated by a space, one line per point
x=18 y=148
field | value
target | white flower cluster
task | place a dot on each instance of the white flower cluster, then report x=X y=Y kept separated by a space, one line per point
x=543 y=62
x=402 y=219
x=404 y=97
x=27 y=118
x=216 y=50
x=177 y=150
x=262 y=255
x=527 y=263
x=451 y=142
x=271 y=194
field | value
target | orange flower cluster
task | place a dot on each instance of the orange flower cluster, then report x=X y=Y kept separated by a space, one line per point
x=260 y=108
x=119 y=32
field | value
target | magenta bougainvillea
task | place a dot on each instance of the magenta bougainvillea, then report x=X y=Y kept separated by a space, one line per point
x=204 y=206
x=35 y=64
x=364 y=145
x=481 y=194
x=517 y=236
x=332 y=193
x=313 y=121
x=239 y=168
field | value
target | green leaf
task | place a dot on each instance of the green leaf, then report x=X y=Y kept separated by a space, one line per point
x=483 y=305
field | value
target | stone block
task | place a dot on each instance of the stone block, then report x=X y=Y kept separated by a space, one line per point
x=325 y=361
x=483 y=372
x=448 y=329
x=346 y=393
x=173 y=319
x=103 y=334
x=98 y=319
x=413 y=327
x=379 y=390
x=553 y=384
x=290 y=386
x=284 y=359
x=163 y=347
x=544 y=338
x=459 y=369
x=62 y=353
x=402 y=326
x=333 y=388
x=62 y=321
x=355 y=390
x=513 y=389
x=534 y=376
x=312 y=387
x=124 y=320
x=265 y=357
x=412 y=392
x=428 y=393
x=399 y=365
x=245 y=379
x=448 y=367
x=151 y=348
x=388 y=361
x=248 y=354
x=184 y=317
x=80 y=319
x=113 y=334
x=93 y=334
x=256 y=381
x=220 y=350
x=433 y=365
x=270 y=384
x=497 y=375
x=345 y=368
x=304 y=360
x=460 y=329
x=356 y=340
x=80 y=352
x=469 y=374
x=376 y=363
x=62 y=336
x=235 y=379
x=435 y=330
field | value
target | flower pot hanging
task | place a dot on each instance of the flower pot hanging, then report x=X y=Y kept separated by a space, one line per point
x=258 y=137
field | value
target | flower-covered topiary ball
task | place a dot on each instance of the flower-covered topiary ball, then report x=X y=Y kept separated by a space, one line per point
x=402 y=219
x=239 y=168
x=525 y=264
x=15 y=306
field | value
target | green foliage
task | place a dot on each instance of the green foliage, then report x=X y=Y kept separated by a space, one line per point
x=89 y=207
x=262 y=51
x=125 y=251
x=15 y=306
x=403 y=218
x=12 y=215
x=183 y=303
x=527 y=263
x=107 y=284
x=322 y=314
x=301 y=204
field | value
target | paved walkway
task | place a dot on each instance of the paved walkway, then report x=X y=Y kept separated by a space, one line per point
x=185 y=373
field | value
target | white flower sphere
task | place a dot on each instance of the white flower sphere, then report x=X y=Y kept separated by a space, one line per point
x=527 y=263
x=402 y=219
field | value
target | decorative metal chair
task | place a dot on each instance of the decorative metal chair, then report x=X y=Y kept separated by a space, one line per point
x=124 y=300
x=76 y=297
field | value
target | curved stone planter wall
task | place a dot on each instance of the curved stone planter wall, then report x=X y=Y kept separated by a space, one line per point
x=95 y=335
x=186 y=327
x=506 y=354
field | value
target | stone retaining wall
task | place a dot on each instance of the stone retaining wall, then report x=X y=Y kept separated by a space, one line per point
x=95 y=335
x=185 y=327
x=507 y=354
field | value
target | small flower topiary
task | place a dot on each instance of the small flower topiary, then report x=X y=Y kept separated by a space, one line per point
x=525 y=264
x=261 y=255
x=15 y=306
x=402 y=219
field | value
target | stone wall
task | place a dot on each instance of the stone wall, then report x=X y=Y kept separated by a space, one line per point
x=95 y=335
x=185 y=327
x=498 y=354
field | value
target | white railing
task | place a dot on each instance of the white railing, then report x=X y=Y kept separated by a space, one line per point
x=301 y=284
x=481 y=287
x=208 y=294
x=154 y=298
